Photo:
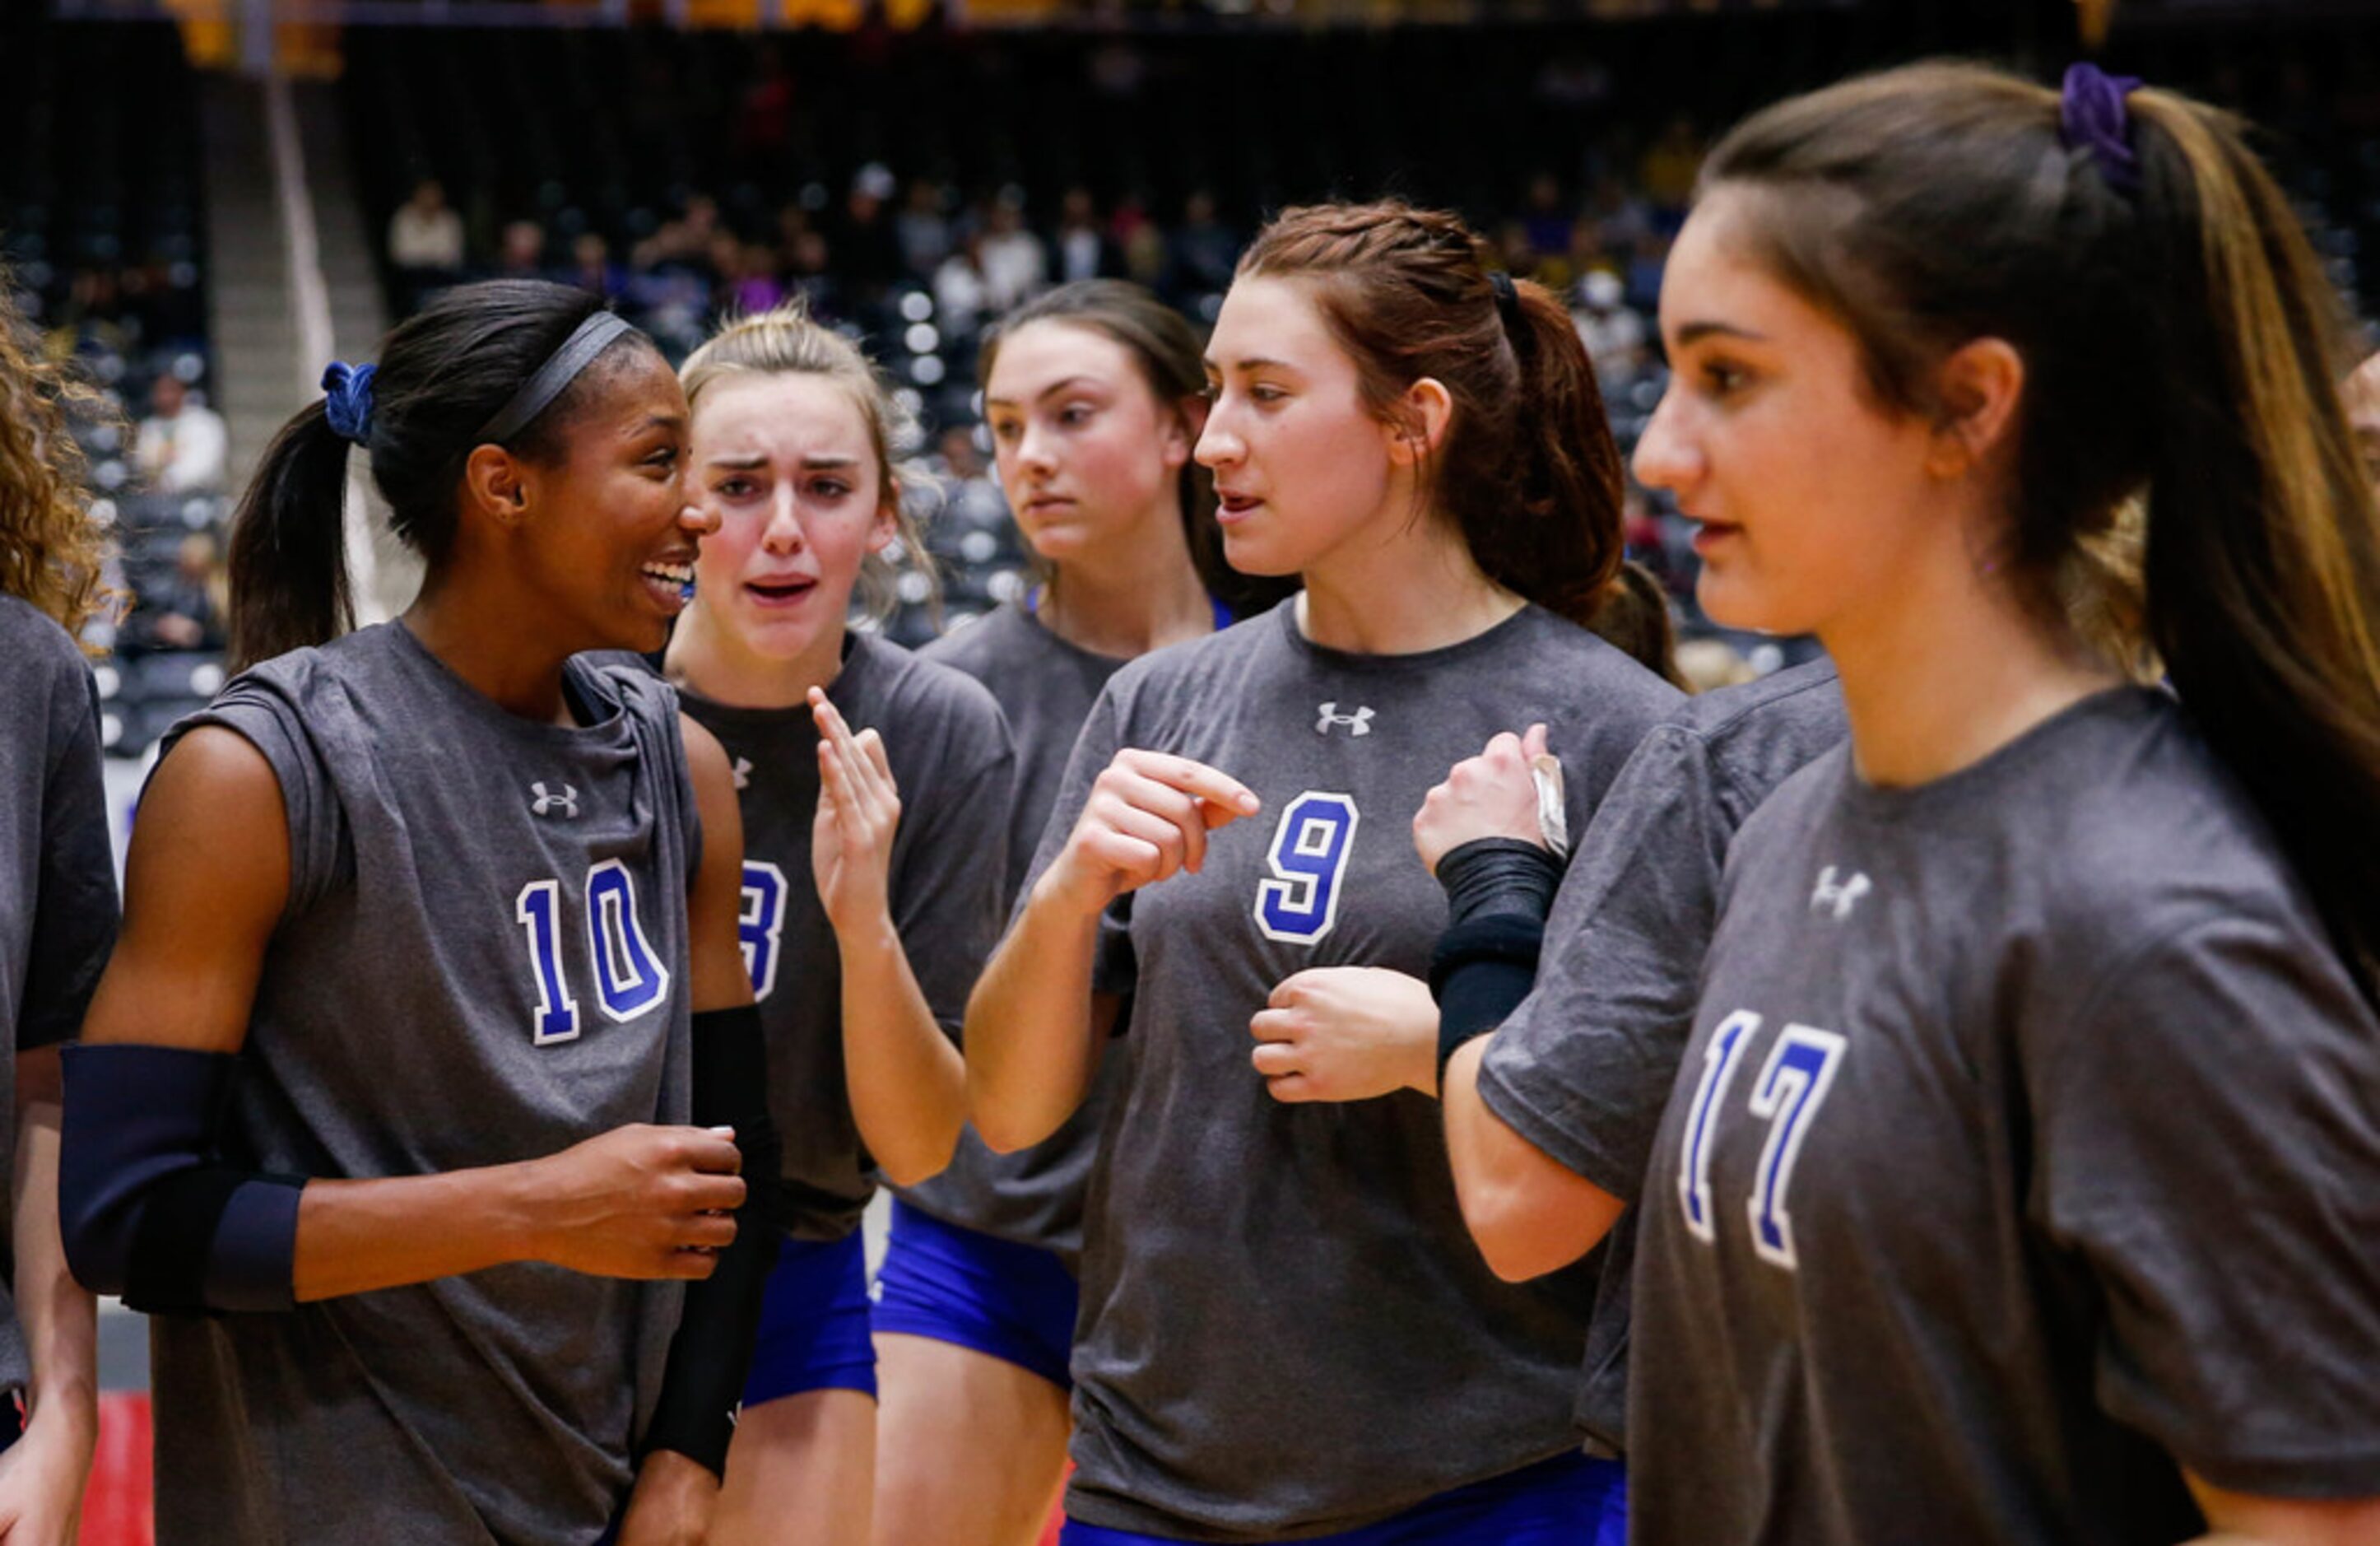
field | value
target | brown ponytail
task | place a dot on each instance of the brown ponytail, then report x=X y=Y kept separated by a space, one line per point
x=1528 y=468
x=2183 y=350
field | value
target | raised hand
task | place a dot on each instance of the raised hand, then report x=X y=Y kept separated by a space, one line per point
x=1492 y=795
x=638 y=1202
x=1148 y=818
x=858 y=811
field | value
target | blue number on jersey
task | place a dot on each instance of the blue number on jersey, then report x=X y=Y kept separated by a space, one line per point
x=1309 y=856
x=761 y=924
x=1792 y=1084
x=1718 y=1072
x=629 y=979
x=539 y=911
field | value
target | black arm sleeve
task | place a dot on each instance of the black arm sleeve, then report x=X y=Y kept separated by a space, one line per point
x=711 y=1353
x=1499 y=893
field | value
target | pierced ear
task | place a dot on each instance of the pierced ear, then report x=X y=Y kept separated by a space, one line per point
x=1423 y=416
x=496 y=485
x=1978 y=389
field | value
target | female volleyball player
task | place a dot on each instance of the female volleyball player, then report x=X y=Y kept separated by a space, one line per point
x=1094 y=394
x=1277 y=1338
x=2021 y=1176
x=430 y=950
x=872 y=873
x=57 y=920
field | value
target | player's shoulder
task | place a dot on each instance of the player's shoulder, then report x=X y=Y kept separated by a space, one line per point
x=34 y=643
x=1006 y=638
x=1758 y=734
x=2149 y=821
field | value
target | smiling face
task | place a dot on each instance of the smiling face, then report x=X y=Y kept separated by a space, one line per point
x=1811 y=497
x=1086 y=454
x=1302 y=465
x=615 y=538
x=785 y=462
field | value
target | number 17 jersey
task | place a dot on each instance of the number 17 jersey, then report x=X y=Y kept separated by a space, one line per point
x=1286 y=1326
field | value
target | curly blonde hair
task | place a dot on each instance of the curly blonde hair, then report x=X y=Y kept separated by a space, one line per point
x=52 y=548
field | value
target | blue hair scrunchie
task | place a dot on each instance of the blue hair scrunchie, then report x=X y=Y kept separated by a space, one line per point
x=2091 y=116
x=347 y=400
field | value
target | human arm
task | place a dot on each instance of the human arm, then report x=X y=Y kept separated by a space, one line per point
x=907 y=1083
x=207 y=881
x=2239 y=1519
x=685 y=1448
x=1126 y=820
x=43 y=1476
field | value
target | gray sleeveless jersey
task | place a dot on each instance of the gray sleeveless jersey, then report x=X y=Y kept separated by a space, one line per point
x=1046 y=687
x=483 y=960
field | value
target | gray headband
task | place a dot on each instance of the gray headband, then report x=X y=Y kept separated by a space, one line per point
x=562 y=367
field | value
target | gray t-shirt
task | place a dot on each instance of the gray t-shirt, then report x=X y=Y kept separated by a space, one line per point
x=950 y=756
x=1583 y=1067
x=1046 y=687
x=58 y=878
x=483 y=960
x=2027 y=1149
x=1285 y=1328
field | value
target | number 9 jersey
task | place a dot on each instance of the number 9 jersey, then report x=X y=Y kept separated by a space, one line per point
x=1285 y=1325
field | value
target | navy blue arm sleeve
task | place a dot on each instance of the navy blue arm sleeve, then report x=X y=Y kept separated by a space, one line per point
x=148 y=1207
x=712 y=1354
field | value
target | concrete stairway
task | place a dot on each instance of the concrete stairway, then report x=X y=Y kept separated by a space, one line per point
x=256 y=293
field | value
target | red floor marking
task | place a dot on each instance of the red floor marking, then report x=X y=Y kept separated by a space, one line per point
x=117 y=1510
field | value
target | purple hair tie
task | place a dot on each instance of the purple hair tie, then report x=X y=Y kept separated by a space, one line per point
x=2092 y=117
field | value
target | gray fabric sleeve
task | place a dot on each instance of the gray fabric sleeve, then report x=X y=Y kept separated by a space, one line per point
x=75 y=905
x=2207 y=1139
x=1584 y=1066
x=946 y=899
x=1114 y=969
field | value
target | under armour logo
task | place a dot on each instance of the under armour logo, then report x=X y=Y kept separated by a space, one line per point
x=1357 y=723
x=1841 y=896
x=743 y=772
x=545 y=804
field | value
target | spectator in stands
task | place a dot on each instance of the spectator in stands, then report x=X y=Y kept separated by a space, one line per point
x=1083 y=251
x=182 y=446
x=1015 y=267
x=591 y=267
x=685 y=241
x=1546 y=218
x=1203 y=251
x=1613 y=332
x=867 y=252
x=970 y=497
x=923 y=229
x=962 y=289
x=425 y=242
x=1666 y=170
x=184 y=610
x=809 y=274
x=521 y=250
